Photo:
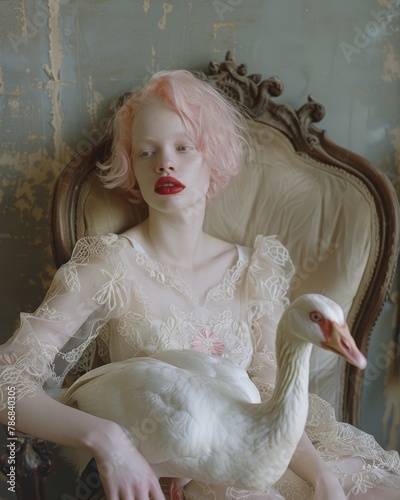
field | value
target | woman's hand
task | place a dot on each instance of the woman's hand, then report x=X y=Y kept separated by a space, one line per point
x=124 y=471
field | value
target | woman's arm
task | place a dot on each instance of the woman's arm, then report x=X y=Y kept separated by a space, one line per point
x=124 y=471
x=49 y=342
x=307 y=464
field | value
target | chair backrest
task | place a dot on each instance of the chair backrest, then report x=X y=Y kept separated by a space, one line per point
x=335 y=212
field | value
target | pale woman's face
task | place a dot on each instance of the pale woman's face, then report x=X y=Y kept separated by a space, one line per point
x=169 y=168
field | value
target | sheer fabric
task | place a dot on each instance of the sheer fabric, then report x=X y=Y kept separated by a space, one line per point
x=115 y=300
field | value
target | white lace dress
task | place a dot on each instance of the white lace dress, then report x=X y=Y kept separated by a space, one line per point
x=113 y=298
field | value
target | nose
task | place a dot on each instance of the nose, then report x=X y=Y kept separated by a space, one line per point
x=165 y=165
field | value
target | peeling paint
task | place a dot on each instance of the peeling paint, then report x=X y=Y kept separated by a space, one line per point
x=24 y=200
x=162 y=23
x=154 y=68
x=395 y=133
x=1 y=81
x=37 y=168
x=218 y=26
x=53 y=72
x=93 y=100
x=19 y=23
x=24 y=30
x=391 y=63
x=146 y=6
x=385 y=3
x=15 y=106
x=17 y=91
x=47 y=274
x=391 y=416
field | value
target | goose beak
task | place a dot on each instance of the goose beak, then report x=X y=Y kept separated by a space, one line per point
x=341 y=342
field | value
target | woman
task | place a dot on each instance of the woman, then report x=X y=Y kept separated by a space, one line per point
x=165 y=284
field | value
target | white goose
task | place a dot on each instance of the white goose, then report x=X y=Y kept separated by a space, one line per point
x=196 y=416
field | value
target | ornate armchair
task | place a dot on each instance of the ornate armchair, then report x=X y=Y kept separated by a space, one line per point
x=335 y=212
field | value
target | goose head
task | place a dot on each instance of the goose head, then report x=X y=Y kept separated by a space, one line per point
x=319 y=320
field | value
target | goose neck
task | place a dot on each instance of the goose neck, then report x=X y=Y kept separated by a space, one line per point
x=290 y=396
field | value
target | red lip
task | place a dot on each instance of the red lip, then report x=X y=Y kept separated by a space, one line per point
x=168 y=185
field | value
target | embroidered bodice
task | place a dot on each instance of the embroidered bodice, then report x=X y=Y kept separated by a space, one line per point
x=115 y=297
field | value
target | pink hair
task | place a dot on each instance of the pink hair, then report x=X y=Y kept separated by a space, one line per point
x=213 y=124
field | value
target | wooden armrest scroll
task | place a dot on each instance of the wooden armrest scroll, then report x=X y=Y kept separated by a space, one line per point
x=32 y=462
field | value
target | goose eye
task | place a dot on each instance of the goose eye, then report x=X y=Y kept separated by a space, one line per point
x=315 y=316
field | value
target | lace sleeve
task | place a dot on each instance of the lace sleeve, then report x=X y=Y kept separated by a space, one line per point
x=85 y=293
x=270 y=273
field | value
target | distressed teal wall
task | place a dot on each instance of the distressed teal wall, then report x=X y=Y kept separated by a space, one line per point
x=63 y=61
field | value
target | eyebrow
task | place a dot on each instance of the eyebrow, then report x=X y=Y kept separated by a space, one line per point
x=181 y=136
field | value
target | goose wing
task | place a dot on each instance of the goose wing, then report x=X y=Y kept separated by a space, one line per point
x=170 y=412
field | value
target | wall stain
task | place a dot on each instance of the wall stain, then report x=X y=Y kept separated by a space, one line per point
x=230 y=40
x=162 y=23
x=391 y=63
x=54 y=84
x=391 y=415
x=146 y=6
x=93 y=100
x=219 y=26
x=24 y=30
x=1 y=81
x=15 y=107
x=395 y=133
x=154 y=67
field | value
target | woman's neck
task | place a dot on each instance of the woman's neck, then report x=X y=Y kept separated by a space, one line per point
x=175 y=239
